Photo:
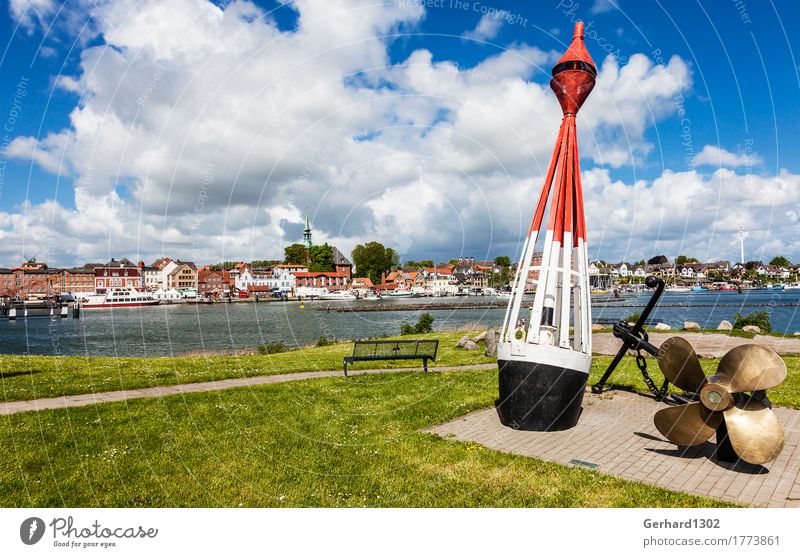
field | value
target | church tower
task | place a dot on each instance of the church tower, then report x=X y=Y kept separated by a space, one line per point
x=307 y=233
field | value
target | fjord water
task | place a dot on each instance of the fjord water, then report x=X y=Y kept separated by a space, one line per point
x=179 y=329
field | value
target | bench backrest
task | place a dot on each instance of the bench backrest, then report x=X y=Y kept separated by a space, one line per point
x=389 y=348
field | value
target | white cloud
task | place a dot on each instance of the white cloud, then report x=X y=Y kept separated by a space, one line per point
x=205 y=134
x=603 y=6
x=711 y=155
x=488 y=26
x=32 y=13
x=691 y=213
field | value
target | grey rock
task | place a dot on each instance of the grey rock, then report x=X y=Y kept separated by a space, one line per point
x=751 y=329
x=480 y=337
x=662 y=327
x=725 y=325
x=598 y=327
x=491 y=343
x=691 y=326
x=463 y=341
x=469 y=345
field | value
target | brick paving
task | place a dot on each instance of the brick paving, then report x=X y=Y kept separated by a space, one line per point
x=616 y=432
x=74 y=401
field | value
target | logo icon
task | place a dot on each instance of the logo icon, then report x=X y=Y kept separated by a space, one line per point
x=31 y=530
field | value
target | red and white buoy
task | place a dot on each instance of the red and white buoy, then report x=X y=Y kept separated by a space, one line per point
x=545 y=348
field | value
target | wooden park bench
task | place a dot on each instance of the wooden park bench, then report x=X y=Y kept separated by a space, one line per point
x=374 y=350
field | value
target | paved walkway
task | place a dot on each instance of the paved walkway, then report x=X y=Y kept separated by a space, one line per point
x=187 y=388
x=707 y=345
x=616 y=436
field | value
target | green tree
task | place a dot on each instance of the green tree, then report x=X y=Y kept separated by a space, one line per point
x=296 y=254
x=682 y=260
x=321 y=259
x=421 y=264
x=372 y=259
x=502 y=261
x=780 y=261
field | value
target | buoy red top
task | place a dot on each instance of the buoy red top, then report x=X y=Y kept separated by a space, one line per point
x=574 y=74
x=577 y=52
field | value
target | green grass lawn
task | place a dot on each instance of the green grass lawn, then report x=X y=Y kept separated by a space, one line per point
x=324 y=442
x=321 y=442
x=29 y=377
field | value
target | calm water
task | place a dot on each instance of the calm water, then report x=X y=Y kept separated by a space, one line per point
x=178 y=329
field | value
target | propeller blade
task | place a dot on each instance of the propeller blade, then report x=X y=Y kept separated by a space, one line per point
x=680 y=364
x=687 y=425
x=754 y=431
x=751 y=367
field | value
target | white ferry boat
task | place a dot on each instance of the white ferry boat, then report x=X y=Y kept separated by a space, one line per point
x=342 y=295
x=119 y=297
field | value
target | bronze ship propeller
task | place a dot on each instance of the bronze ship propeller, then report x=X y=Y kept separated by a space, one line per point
x=753 y=430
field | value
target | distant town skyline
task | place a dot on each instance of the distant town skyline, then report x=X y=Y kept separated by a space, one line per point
x=206 y=133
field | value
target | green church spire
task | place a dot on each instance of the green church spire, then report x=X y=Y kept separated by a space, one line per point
x=307 y=233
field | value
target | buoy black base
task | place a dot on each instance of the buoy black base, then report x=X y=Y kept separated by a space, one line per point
x=539 y=397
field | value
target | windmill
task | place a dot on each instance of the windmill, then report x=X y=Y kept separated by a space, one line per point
x=544 y=370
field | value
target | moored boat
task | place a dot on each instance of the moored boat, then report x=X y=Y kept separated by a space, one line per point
x=400 y=294
x=338 y=295
x=119 y=297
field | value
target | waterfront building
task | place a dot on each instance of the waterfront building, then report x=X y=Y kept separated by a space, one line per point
x=78 y=280
x=278 y=278
x=312 y=279
x=212 y=283
x=341 y=264
x=183 y=276
x=439 y=281
x=362 y=286
x=117 y=274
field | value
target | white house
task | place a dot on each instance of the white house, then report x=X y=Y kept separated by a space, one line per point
x=280 y=277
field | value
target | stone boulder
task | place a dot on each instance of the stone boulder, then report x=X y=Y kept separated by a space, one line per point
x=480 y=337
x=598 y=327
x=463 y=341
x=662 y=327
x=491 y=343
x=469 y=345
x=751 y=329
x=691 y=326
x=796 y=334
x=725 y=325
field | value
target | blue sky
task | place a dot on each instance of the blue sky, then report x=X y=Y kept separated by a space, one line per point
x=134 y=131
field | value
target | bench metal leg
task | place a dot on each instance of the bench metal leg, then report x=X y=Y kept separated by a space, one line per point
x=345 y=368
x=425 y=364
